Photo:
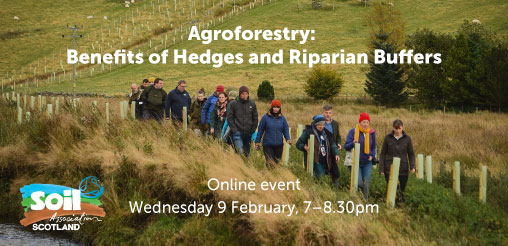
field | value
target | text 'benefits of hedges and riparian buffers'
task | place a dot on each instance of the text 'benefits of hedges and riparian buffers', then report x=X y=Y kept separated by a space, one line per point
x=288 y=208
x=280 y=56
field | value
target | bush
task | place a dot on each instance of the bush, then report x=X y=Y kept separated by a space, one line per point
x=265 y=90
x=323 y=83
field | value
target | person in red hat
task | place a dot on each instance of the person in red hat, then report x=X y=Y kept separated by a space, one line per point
x=206 y=113
x=363 y=134
x=275 y=129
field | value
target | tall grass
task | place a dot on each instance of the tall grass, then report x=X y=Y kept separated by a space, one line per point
x=151 y=162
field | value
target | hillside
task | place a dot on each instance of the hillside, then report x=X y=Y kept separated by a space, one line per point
x=340 y=25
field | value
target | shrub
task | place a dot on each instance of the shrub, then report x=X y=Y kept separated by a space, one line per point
x=323 y=83
x=265 y=90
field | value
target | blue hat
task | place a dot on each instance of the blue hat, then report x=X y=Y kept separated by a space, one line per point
x=318 y=119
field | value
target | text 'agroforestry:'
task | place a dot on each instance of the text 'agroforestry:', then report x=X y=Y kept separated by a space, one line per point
x=294 y=56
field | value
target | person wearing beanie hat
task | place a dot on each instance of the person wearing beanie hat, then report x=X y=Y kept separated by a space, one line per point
x=243 y=89
x=151 y=80
x=274 y=127
x=232 y=95
x=206 y=112
x=242 y=120
x=326 y=153
x=363 y=134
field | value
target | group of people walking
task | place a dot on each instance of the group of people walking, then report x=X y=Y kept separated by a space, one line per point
x=233 y=118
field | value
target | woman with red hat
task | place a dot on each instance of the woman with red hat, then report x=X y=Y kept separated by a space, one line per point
x=275 y=129
x=366 y=137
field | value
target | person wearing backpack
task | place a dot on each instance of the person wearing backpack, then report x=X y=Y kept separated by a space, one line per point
x=326 y=153
x=275 y=129
x=397 y=144
x=154 y=99
x=363 y=134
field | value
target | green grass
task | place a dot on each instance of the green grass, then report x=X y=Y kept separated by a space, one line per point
x=344 y=27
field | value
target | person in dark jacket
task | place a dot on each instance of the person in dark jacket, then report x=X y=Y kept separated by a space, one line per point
x=177 y=99
x=243 y=120
x=134 y=97
x=219 y=114
x=397 y=144
x=332 y=125
x=366 y=136
x=275 y=129
x=154 y=99
x=195 y=112
x=326 y=153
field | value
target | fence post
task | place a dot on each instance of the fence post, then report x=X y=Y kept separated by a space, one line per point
x=185 y=118
x=43 y=102
x=355 y=168
x=310 y=155
x=24 y=101
x=133 y=109
x=32 y=102
x=122 y=113
x=126 y=109
x=50 y=110
x=392 y=183
x=107 y=112
x=40 y=102
x=18 y=103
x=483 y=185
x=299 y=132
x=420 y=166
x=20 y=115
x=57 y=105
x=285 y=155
x=428 y=168
x=456 y=177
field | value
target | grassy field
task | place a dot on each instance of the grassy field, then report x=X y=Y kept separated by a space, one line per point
x=151 y=162
x=144 y=161
x=341 y=27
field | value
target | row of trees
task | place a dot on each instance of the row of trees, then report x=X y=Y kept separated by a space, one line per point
x=473 y=71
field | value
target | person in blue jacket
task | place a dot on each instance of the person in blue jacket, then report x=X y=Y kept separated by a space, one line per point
x=275 y=129
x=366 y=137
x=206 y=112
x=175 y=101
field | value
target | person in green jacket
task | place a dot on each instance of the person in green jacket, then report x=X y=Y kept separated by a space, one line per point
x=154 y=99
x=219 y=114
x=326 y=153
x=195 y=112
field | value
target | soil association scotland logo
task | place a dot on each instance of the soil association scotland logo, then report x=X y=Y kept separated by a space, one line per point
x=66 y=208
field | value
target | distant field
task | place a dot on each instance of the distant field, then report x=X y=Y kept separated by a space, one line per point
x=343 y=27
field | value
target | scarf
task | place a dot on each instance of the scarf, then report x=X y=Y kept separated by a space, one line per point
x=221 y=111
x=359 y=129
x=275 y=115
